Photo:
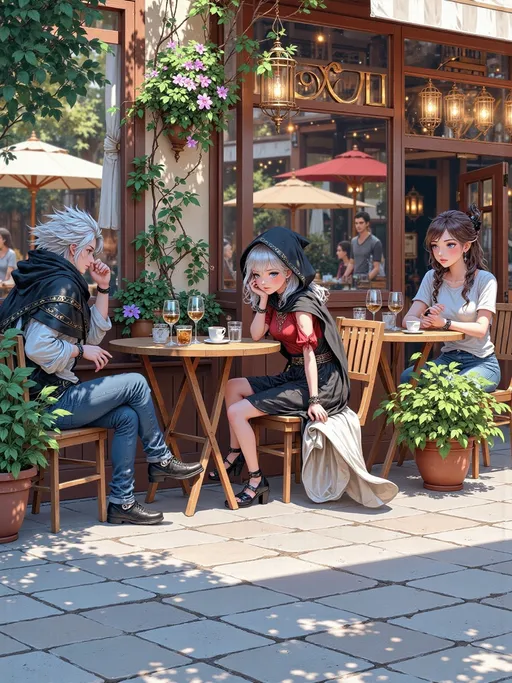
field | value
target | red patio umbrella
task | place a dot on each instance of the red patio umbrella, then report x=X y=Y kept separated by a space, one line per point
x=353 y=168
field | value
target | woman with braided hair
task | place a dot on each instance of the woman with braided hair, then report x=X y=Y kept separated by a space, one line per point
x=458 y=294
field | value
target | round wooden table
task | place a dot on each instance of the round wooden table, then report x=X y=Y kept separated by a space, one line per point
x=190 y=357
x=386 y=372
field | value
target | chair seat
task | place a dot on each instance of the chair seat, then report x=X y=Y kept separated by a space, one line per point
x=290 y=423
x=81 y=435
x=503 y=395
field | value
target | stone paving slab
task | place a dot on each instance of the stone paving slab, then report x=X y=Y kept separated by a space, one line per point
x=358 y=533
x=39 y=667
x=293 y=661
x=11 y=559
x=120 y=657
x=466 y=663
x=184 y=582
x=298 y=541
x=205 y=639
x=9 y=646
x=98 y=595
x=489 y=513
x=222 y=601
x=223 y=552
x=46 y=577
x=131 y=566
x=6 y=591
x=468 y=584
x=360 y=515
x=242 y=529
x=21 y=607
x=503 y=601
x=192 y=673
x=378 y=563
x=138 y=616
x=379 y=676
x=62 y=550
x=171 y=539
x=382 y=642
x=297 y=578
x=468 y=622
x=426 y=523
x=307 y=521
x=64 y=629
x=388 y=601
x=295 y=620
x=490 y=537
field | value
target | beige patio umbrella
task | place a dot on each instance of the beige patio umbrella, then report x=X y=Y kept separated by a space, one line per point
x=294 y=194
x=39 y=165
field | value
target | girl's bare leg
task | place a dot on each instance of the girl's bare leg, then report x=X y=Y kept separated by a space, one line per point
x=237 y=389
x=239 y=414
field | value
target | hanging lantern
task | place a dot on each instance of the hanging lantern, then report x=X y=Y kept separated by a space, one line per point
x=277 y=90
x=484 y=110
x=431 y=107
x=413 y=204
x=454 y=109
x=508 y=114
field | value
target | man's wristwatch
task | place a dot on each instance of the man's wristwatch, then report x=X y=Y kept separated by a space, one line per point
x=80 y=352
x=447 y=325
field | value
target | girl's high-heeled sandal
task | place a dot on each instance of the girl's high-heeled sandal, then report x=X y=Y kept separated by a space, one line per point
x=261 y=492
x=234 y=467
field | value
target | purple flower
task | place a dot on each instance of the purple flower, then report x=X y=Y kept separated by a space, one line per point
x=191 y=142
x=164 y=68
x=204 y=102
x=199 y=65
x=222 y=91
x=204 y=81
x=200 y=48
x=189 y=65
x=172 y=45
x=131 y=311
x=153 y=73
x=179 y=79
x=189 y=84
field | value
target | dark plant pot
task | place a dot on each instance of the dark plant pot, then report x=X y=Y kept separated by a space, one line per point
x=177 y=143
x=447 y=474
x=141 y=328
x=13 y=502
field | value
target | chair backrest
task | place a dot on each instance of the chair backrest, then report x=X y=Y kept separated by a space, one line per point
x=501 y=331
x=362 y=340
x=16 y=359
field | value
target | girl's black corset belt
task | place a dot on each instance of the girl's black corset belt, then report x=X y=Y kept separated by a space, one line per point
x=320 y=359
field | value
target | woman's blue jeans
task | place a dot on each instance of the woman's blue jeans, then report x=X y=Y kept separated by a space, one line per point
x=122 y=403
x=488 y=367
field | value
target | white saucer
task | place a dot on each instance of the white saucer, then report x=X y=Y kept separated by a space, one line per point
x=412 y=332
x=210 y=341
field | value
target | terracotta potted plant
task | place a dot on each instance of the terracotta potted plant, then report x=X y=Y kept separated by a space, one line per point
x=440 y=418
x=24 y=438
x=141 y=304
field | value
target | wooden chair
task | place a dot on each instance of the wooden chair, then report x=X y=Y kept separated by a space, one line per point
x=501 y=336
x=69 y=437
x=362 y=340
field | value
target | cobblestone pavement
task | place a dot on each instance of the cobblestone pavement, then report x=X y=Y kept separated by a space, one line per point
x=300 y=593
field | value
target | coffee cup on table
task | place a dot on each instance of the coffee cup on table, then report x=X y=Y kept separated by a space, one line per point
x=216 y=334
x=412 y=325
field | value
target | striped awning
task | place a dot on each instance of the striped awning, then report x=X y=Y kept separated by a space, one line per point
x=486 y=18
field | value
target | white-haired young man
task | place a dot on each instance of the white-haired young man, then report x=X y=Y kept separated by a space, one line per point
x=50 y=305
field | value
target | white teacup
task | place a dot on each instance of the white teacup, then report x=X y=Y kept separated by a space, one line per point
x=413 y=325
x=216 y=333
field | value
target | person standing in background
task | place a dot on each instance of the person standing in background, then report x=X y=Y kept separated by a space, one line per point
x=366 y=250
x=343 y=255
x=7 y=258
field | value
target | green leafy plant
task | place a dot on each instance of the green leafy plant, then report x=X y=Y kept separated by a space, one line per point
x=444 y=406
x=46 y=59
x=144 y=297
x=25 y=427
x=318 y=253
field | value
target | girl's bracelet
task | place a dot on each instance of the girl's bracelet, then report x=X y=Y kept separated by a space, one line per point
x=313 y=400
x=257 y=309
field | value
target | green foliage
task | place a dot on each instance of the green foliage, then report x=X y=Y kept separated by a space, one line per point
x=24 y=427
x=46 y=59
x=444 y=406
x=212 y=310
x=262 y=218
x=318 y=252
x=147 y=292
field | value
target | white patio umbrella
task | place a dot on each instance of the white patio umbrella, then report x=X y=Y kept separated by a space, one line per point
x=39 y=165
x=296 y=194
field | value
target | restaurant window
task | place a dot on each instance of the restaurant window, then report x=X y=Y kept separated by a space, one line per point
x=230 y=251
x=454 y=59
x=81 y=132
x=311 y=139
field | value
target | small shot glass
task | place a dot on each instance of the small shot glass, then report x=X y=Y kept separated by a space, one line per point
x=359 y=313
x=389 y=321
x=184 y=334
x=160 y=333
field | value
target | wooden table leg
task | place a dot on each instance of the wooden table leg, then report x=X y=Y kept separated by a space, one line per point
x=209 y=426
x=386 y=377
x=164 y=415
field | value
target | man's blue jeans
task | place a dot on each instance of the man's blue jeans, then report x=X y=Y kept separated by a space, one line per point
x=122 y=403
x=488 y=368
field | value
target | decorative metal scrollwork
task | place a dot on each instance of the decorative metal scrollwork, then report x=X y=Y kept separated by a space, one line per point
x=345 y=86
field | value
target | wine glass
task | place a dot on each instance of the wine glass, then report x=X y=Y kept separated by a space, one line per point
x=373 y=301
x=395 y=305
x=171 y=315
x=195 y=310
